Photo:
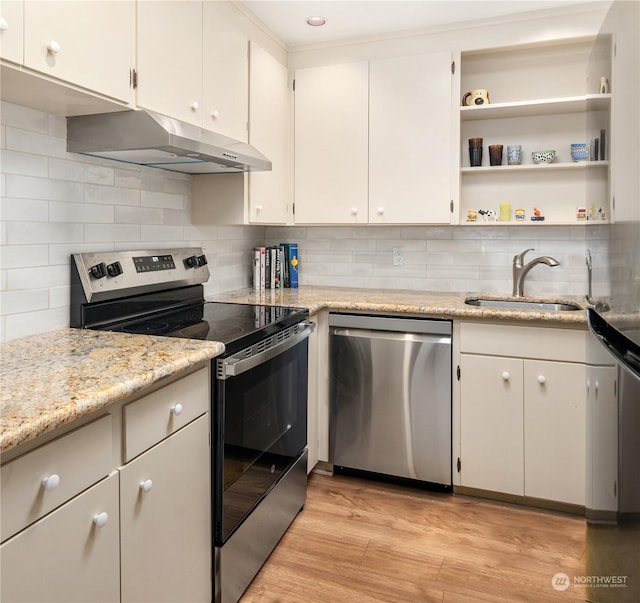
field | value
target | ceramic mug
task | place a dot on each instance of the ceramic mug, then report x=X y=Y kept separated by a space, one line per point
x=513 y=154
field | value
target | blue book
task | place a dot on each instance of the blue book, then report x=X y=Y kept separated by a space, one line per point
x=293 y=265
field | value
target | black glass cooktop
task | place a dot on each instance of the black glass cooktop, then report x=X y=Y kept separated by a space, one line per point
x=235 y=325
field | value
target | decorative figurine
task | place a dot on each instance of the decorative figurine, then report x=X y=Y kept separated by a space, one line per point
x=472 y=215
x=537 y=215
x=519 y=214
x=604 y=85
x=581 y=214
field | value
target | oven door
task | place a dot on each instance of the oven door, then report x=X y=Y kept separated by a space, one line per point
x=260 y=423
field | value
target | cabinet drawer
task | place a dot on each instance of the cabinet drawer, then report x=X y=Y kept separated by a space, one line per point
x=157 y=415
x=523 y=342
x=75 y=461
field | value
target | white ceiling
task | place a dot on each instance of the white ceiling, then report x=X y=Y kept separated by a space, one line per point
x=356 y=18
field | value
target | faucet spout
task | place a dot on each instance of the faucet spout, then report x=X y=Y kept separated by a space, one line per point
x=520 y=269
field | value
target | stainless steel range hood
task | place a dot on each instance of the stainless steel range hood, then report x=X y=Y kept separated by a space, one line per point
x=148 y=138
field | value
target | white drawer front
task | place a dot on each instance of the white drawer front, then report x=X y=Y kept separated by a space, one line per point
x=43 y=479
x=159 y=414
x=543 y=343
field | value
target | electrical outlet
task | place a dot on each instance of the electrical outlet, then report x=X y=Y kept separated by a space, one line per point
x=398 y=256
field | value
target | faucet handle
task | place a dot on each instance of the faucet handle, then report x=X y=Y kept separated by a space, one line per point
x=519 y=258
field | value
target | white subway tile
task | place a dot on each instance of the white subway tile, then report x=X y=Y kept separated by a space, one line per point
x=480 y=232
x=23 y=256
x=80 y=171
x=59 y=297
x=377 y=232
x=152 y=179
x=23 y=117
x=16 y=302
x=175 y=217
x=427 y=232
x=316 y=257
x=452 y=246
x=453 y=272
x=3 y=233
x=3 y=185
x=24 y=233
x=80 y=212
x=3 y=137
x=14 y=162
x=161 y=233
x=353 y=245
x=139 y=215
x=43 y=188
x=128 y=177
x=111 y=233
x=405 y=271
x=33 y=323
x=111 y=195
x=24 y=210
x=162 y=200
x=35 y=278
x=330 y=232
x=406 y=244
x=36 y=143
x=58 y=126
x=175 y=183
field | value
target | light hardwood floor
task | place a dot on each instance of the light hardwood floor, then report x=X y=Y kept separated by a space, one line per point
x=358 y=540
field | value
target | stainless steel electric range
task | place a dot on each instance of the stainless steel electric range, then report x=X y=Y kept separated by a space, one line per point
x=258 y=390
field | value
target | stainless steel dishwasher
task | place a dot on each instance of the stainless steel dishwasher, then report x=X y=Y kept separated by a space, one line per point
x=390 y=392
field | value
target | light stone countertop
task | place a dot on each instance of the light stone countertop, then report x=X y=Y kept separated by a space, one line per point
x=52 y=379
x=438 y=304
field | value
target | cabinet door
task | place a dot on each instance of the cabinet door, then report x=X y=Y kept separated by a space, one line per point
x=602 y=438
x=410 y=145
x=554 y=433
x=225 y=89
x=331 y=144
x=11 y=34
x=491 y=415
x=166 y=531
x=269 y=192
x=65 y=557
x=170 y=58
x=88 y=43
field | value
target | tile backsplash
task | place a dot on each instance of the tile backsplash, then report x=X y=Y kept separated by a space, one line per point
x=55 y=203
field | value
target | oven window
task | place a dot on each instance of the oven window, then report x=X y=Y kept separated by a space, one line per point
x=264 y=417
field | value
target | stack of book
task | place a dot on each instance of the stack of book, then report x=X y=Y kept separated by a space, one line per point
x=276 y=267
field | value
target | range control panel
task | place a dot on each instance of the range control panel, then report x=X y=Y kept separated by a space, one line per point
x=112 y=274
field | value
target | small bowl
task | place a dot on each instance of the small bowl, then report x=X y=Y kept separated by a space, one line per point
x=543 y=156
x=579 y=151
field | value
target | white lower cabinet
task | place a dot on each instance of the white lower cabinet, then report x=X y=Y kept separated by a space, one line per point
x=523 y=411
x=165 y=520
x=88 y=519
x=70 y=555
x=554 y=431
x=491 y=424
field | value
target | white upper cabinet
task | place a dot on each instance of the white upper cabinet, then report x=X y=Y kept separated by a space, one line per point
x=11 y=30
x=170 y=58
x=225 y=74
x=331 y=144
x=410 y=144
x=88 y=43
x=269 y=192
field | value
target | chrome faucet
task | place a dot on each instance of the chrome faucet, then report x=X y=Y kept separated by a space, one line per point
x=520 y=270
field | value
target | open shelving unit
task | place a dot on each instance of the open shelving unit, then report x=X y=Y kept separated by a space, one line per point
x=540 y=97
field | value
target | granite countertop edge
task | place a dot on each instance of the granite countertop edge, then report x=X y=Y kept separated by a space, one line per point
x=52 y=379
x=434 y=304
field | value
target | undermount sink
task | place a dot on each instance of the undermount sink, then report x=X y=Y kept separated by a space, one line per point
x=521 y=304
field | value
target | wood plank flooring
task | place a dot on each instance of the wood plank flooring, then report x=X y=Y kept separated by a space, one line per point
x=358 y=540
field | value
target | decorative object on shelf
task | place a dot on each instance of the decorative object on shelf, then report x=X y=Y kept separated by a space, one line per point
x=505 y=212
x=495 y=154
x=579 y=151
x=475 y=97
x=601 y=214
x=581 y=214
x=513 y=154
x=520 y=215
x=488 y=215
x=543 y=156
x=604 y=85
x=475 y=152
x=594 y=150
x=472 y=215
x=603 y=144
x=537 y=215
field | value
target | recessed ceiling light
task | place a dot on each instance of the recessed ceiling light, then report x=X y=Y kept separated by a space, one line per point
x=316 y=21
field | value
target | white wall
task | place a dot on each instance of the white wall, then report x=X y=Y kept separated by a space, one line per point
x=55 y=203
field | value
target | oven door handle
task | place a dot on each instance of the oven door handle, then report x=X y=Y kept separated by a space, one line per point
x=239 y=363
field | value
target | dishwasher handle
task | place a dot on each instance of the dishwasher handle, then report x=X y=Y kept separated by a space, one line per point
x=390 y=335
